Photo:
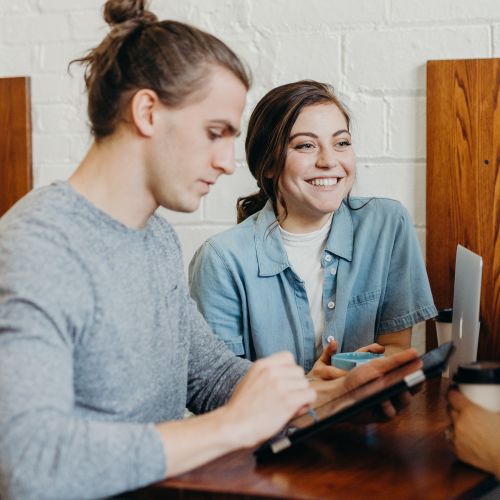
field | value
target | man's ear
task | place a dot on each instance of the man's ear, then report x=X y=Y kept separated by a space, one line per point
x=142 y=109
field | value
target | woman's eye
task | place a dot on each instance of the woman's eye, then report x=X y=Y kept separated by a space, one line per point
x=343 y=144
x=305 y=146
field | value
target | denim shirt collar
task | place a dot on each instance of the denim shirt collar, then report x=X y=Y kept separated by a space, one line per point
x=271 y=254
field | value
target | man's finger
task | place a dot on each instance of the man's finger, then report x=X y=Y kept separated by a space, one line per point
x=454 y=415
x=401 y=400
x=388 y=409
x=457 y=400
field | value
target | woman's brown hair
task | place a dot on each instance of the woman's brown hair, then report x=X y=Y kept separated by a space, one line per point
x=171 y=58
x=268 y=135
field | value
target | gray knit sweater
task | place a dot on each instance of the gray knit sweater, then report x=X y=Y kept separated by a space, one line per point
x=98 y=340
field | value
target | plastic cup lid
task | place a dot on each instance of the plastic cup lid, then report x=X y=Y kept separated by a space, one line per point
x=444 y=316
x=480 y=372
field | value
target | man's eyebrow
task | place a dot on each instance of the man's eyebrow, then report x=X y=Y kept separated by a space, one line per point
x=314 y=136
x=230 y=128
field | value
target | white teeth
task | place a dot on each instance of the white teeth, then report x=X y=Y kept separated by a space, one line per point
x=324 y=181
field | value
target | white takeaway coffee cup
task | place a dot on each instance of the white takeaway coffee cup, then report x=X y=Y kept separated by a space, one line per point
x=480 y=382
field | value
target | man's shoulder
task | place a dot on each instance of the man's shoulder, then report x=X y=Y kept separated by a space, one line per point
x=42 y=212
x=36 y=249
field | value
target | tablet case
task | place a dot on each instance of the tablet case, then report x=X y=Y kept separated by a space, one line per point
x=434 y=363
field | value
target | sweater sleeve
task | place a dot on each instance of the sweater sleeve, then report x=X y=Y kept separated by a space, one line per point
x=47 y=449
x=213 y=369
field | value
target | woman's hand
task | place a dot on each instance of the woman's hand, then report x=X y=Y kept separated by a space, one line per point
x=374 y=348
x=323 y=369
x=474 y=433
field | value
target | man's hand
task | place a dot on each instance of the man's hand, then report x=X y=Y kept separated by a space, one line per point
x=273 y=391
x=474 y=433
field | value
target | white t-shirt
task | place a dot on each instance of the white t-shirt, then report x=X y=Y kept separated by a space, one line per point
x=304 y=254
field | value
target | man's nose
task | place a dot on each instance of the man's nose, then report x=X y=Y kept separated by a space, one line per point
x=225 y=159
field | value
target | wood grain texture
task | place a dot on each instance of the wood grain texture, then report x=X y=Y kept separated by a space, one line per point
x=15 y=141
x=463 y=184
x=405 y=458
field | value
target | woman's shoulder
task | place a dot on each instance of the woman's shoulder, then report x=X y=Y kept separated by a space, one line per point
x=363 y=207
x=234 y=242
x=377 y=215
x=239 y=233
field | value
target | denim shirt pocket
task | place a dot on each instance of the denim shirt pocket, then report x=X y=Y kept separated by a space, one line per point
x=361 y=320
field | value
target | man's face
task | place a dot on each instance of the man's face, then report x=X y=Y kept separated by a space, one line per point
x=194 y=144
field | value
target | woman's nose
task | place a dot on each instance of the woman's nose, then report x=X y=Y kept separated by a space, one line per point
x=326 y=159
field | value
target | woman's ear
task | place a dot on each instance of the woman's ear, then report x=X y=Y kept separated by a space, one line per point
x=142 y=107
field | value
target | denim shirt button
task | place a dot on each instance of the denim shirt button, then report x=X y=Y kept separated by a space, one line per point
x=328 y=258
x=331 y=304
x=333 y=271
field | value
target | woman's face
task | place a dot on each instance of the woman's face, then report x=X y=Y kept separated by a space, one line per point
x=319 y=170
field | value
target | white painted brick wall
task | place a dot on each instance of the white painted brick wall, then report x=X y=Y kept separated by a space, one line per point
x=496 y=40
x=373 y=51
x=438 y=11
x=406 y=133
x=316 y=15
x=393 y=59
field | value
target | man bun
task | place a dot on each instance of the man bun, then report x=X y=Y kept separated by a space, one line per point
x=121 y=11
x=171 y=58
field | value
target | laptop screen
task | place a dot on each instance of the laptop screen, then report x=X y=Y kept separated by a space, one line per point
x=466 y=301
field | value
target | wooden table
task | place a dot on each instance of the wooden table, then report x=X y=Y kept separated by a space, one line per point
x=407 y=458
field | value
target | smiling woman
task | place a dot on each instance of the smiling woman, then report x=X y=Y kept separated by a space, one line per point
x=319 y=169
x=308 y=263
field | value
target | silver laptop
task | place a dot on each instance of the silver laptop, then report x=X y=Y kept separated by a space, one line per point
x=466 y=301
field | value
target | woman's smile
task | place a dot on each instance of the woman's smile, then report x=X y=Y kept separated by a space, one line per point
x=324 y=182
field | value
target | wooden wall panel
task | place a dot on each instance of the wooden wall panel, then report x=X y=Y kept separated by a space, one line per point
x=463 y=183
x=15 y=141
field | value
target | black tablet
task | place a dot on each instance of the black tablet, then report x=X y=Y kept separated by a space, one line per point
x=358 y=400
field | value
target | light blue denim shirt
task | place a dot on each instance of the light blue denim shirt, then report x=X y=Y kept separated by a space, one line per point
x=374 y=283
